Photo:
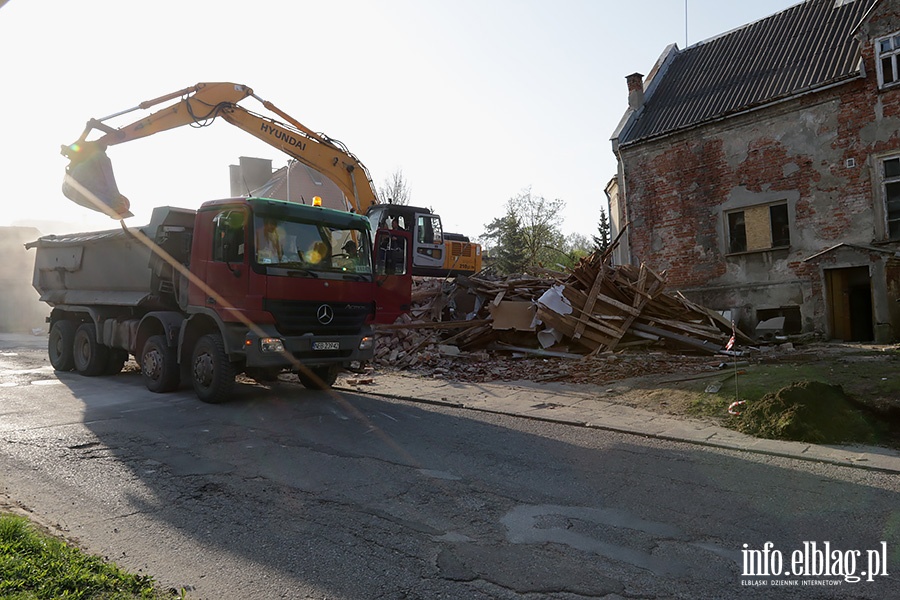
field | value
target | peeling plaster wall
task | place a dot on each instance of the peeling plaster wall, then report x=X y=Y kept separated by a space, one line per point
x=679 y=189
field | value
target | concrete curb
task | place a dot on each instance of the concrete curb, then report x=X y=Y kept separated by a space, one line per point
x=582 y=410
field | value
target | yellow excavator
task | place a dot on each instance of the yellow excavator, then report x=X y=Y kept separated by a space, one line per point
x=89 y=176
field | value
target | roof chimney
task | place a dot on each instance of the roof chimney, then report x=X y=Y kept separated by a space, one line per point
x=635 y=90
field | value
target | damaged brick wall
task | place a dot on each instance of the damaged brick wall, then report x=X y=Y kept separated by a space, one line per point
x=818 y=153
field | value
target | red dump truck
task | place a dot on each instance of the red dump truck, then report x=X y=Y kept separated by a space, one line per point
x=241 y=285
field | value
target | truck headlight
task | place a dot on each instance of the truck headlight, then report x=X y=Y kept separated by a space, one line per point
x=367 y=343
x=271 y=345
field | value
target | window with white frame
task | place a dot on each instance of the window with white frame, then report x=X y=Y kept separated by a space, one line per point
x=890 y=177
x=758 y=228
x=887 y=53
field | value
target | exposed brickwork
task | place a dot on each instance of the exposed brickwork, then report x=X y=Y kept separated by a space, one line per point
x=676 y=226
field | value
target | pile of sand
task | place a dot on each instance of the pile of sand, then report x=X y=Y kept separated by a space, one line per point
x=807 y=411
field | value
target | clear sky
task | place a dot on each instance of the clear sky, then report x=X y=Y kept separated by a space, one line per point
x=475 y=100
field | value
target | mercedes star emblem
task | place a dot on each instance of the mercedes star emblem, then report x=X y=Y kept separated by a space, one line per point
x=325 y=314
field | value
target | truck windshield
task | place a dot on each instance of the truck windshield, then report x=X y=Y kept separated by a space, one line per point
x=312 y=247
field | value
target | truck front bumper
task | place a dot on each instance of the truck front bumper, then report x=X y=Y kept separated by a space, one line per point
x=273 y=350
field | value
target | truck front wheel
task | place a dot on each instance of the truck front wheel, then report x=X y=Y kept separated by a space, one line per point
x=90 y=356
x=60 y=345
x=212 y=374
x=159 y=365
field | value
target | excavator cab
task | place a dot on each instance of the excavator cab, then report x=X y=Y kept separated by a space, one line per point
x=90 y=181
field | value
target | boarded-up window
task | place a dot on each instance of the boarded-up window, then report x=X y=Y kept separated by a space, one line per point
x=759 y=228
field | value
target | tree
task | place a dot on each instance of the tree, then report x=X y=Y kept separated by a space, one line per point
x=541 y=236
x=603 y=238
x=527 y=235
x=577 y=246
x=395 y=189
x=501 y=241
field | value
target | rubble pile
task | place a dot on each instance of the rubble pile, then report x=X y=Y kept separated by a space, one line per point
x=404 y=343
x=398 y=346
x=452 y=316
x=501 y=307
x=594 y=310
x=603 y=307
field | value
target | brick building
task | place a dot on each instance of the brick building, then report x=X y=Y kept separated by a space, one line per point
x=760 y=169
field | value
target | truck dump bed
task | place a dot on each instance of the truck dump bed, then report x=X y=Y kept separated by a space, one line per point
x=111 y=268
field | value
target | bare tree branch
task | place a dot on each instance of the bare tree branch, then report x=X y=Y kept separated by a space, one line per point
x=395 y=189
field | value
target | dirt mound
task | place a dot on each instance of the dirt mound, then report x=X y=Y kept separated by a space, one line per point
x=806 y=411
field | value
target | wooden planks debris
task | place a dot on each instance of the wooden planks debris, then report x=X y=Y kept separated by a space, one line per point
x=627 y=305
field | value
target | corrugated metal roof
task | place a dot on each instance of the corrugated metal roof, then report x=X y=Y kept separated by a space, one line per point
x=804 y=47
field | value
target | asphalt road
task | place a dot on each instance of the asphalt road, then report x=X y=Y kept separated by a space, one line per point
x=287 y=493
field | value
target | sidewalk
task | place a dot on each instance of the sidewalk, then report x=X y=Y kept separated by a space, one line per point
x=576 y=405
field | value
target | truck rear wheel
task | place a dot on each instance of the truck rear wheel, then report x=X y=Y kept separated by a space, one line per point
x=90 y=356
x=318 y=378
x=212 y=374
x=60 y=345
x=159 y=365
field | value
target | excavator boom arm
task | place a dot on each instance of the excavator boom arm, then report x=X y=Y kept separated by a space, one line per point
x=198 y=105
x=89 y=174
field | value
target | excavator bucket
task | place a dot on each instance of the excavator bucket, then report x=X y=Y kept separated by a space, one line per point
x=90 y=181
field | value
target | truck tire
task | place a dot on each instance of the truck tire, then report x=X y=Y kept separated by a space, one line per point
x=319 y=378
x=90 y=355
x=212 y=374
x=159 y=365
x=60 y=345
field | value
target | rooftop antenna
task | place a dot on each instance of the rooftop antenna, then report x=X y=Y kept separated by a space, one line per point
x=685 y=23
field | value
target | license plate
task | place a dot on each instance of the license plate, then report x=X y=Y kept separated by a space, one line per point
x=326 y=345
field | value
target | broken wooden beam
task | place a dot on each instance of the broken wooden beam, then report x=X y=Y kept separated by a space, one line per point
x=677 y=337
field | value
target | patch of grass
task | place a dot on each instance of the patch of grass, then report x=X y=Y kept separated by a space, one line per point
x=708 y=405
x=36 y=566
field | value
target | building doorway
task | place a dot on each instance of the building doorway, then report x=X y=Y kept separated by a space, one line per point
x=849 y=298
